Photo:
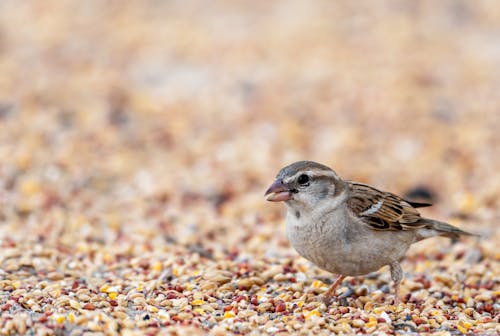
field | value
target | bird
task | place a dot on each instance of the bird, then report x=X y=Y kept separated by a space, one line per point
x=349 y=228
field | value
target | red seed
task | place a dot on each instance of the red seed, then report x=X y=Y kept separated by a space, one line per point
x=171 y=295
x=227 y=308
x=89 y=306
x=418 y=321
x=254 y=300
x=280 y=307
x=343 y=310
x=240 y=298
x=6 y=306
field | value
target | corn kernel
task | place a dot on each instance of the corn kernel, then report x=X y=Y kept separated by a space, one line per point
x=468 y=203
x=23 y=160
x=465 y=325
x=197 y=302
x=312 y=313
x=104 y=289
x=71 y=318
x=200 y=311
x=157 y=266
x=58 y=318
x=372 y=321
x=112 y=295
x=229 y=314
x=318 y=284
x=30 y=187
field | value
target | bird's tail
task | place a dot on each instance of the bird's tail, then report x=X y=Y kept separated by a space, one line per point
x=445 y=230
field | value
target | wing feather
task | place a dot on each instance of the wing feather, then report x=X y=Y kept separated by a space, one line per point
x=383 y=210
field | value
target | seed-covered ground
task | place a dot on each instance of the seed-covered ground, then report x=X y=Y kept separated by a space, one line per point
x=137 y=140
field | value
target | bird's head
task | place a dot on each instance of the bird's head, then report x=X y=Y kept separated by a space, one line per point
x=304 y=185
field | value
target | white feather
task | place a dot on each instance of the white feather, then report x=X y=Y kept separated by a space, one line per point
x=374 y=208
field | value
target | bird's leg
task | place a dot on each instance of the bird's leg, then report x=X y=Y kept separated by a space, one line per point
x=331 y=291
x=396 y=275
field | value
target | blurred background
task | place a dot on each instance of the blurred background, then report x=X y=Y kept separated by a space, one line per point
x=136 y=124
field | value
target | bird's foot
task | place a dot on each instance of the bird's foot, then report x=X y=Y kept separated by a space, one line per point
x=328 y=299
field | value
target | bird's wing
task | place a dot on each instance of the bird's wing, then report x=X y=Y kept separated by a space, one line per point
x=383 y=210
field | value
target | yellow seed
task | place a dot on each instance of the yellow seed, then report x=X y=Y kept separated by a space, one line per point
x=75 y=304
x=465 y=325
x=157 y=266
x=113 y=221
x=462 y=329
x=107 y=258
x=16 y=284
x=175 y=271
x=423 y=266
x=58 y=318
x=71 y=318
x=189 y=287
x=229 y=314
x=104 y=289
x=318 y=284
x=197 y=302
x=312 y=313
x=23 y=160
x=468 y=203
x=300 y=304
x=140 y=287
x=30 y=187
x=200 y=311
x=112 y=295
x=153 y=309
x=372 y=321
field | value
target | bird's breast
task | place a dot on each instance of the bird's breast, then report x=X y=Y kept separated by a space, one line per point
x=339 y=245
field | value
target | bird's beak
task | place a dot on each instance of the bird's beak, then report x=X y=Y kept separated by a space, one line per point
x=278 y=192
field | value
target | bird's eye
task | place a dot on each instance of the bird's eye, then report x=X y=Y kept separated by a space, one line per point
x=303 y=179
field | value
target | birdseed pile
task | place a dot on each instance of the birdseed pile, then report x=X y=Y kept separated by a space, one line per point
x=137 y=140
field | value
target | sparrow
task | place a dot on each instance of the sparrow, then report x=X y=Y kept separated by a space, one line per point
x=349 y=228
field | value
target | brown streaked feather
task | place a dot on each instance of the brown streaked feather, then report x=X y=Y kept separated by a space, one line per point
x=418 y=204
x=383 y=210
